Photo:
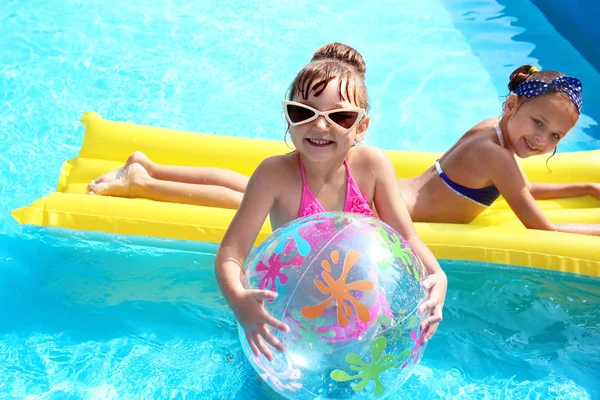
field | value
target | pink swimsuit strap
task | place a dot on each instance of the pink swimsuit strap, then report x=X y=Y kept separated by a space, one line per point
x=355 y=201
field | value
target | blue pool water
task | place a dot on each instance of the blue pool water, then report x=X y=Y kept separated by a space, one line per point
x=114 y=319
x=110 y=317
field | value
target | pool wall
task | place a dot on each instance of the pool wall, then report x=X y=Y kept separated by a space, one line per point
x=576 y=21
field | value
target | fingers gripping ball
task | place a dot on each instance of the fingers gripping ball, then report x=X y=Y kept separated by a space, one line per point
x=349 y=288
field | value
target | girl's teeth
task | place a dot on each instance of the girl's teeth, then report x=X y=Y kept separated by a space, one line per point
x=319 y=141
x=529 y=145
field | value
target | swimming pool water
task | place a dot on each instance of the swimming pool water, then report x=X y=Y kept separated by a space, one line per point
x=433 y=70
x=106 y=319
x=112 y=319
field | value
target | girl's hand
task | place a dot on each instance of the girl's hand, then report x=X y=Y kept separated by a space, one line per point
x=437 y=284
x=252 y=316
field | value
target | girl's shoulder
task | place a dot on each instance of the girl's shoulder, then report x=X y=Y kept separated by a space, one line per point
x=485 y=124
x=366 y=154
x=481 y=132
x=274 y=174
x=279 y=166
x=488 y=149
x=483 y=137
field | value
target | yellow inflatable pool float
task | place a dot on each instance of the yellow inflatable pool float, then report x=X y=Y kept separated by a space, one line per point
x=496 y=236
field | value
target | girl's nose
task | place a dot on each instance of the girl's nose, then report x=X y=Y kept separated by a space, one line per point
x=321 y=123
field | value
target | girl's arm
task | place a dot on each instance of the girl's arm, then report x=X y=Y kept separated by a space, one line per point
x=247 y=305
x=392 y=210
x=505 y=173
x=542 y=191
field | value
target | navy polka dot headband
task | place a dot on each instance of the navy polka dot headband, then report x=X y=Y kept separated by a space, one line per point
x=571 y=86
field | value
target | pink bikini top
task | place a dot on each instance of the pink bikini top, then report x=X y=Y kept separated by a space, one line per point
x=355 y=201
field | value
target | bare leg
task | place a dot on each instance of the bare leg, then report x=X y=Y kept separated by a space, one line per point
x=200 y=176
x=134 y=181
x=197 y=175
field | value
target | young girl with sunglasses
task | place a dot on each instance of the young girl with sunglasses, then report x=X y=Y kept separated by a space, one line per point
x=326 y=114
x=541 y=109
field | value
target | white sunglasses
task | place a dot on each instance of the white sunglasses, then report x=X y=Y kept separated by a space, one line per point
x=344 y=118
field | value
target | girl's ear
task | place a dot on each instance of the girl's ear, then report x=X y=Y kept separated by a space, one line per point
x=361 y=129
x=510 y=105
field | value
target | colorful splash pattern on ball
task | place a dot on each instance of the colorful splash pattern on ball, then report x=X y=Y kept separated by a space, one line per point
x=349 y=288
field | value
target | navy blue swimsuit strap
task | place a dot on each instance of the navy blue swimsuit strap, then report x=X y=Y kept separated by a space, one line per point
x=483 y=196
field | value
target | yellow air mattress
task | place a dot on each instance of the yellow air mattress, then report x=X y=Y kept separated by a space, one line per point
x=496 y=236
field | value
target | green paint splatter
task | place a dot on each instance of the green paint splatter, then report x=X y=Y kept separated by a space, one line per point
x=308 y=335
x=411 y=321
x=384 y=320
x=402 y=357
x=367 y=372
x=404 y=254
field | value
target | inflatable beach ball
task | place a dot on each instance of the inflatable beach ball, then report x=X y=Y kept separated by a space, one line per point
x=349 y=288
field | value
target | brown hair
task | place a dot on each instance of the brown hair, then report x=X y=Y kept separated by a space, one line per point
x=334 y=60
x=529 y=72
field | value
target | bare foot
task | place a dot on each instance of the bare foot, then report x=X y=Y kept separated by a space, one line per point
x=125 y=181
x=136 y=157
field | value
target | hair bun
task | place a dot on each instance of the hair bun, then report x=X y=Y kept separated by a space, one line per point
x=343 y=53
x=520 y=75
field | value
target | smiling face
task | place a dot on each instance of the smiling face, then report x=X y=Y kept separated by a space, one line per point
x=321 y=140
x=535 y=126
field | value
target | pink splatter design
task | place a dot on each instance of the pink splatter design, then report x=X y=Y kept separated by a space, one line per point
x=321 y=230
x=419 y=343
x=357 y=328
x=325 y=227
x=273 y=269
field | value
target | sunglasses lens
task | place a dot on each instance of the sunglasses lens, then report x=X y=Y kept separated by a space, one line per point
x=298 y=114
x=345 y=119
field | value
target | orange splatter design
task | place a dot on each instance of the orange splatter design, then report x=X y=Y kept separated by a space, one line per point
x=339 y=291
x=335 y=256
